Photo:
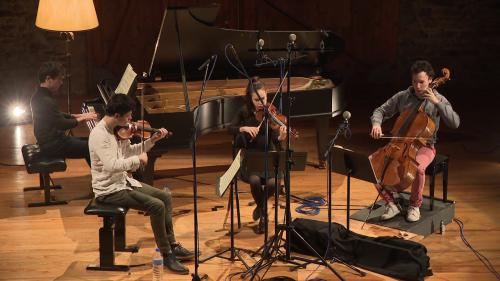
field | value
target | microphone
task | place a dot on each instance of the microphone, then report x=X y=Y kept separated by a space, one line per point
x=207 y=62
x=346 y=115
x=345 y=126
x=291 y=42
x=342 y=129
x=258 y=46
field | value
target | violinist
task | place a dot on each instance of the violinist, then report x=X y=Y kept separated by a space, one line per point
x=437 y=107
x=248 y=134
x=111 y=158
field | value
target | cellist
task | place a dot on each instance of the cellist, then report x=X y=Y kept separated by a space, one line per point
x=436 y=107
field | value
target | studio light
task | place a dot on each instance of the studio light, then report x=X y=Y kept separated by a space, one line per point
x=17 y=112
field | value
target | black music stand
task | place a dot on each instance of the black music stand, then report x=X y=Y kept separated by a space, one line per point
x=235 y=252
x=346 y=162
x=296 y=161
x=255 y=162
x=351 y=164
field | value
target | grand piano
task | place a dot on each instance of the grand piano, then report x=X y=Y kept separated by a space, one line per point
x=169 y=96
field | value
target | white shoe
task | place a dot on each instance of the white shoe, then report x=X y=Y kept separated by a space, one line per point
x=413 y=214
x=391 y=210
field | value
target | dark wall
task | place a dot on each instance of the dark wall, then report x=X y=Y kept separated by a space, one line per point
x=382 y=38
x=23 y=47
x=463 y=35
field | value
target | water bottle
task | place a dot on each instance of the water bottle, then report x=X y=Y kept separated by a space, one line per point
x=157 y=266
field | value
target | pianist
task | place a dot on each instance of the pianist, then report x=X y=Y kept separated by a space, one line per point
x=112 y=158
x=50 y=124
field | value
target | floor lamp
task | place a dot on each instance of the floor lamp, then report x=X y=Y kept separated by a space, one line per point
x=66 y=17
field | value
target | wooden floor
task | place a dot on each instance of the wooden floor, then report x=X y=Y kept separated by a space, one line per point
x=58 y=242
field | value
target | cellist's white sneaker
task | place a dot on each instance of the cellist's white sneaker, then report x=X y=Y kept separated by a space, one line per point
x=391 y=210
x=413 y=214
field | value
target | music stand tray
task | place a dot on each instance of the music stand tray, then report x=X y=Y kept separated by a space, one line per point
x=352 y=164
x=256 y=160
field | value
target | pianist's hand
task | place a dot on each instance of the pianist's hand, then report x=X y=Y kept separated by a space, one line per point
x=159 y=135
x=85 y=116
x=252 y=131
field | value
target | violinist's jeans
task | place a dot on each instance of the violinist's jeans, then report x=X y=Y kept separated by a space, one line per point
x=156 y=202
x=425 y=155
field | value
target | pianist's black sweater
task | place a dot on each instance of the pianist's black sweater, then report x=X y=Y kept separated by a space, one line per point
x=49 y=123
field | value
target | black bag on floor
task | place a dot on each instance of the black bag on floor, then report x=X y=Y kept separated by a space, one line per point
x=391 y=256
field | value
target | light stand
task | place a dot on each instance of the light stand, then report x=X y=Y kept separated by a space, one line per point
x=66 y=17
x=68 y=37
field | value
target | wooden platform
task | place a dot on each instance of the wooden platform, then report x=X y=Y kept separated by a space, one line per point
x=57 y=242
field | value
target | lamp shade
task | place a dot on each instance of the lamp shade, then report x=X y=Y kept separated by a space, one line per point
x=66 y=15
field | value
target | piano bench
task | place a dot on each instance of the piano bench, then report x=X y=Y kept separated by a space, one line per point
x=438 y=165
x=111 y=238
x=35 y=162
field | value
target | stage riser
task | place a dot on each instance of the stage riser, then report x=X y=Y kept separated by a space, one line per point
x=430 y=221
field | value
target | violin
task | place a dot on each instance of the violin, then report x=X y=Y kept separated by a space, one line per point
x=141 y=129
x=395 y=165
x=277 y=119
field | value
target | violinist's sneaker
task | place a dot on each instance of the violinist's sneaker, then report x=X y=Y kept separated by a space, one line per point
x=391 y=210
x=413 y=214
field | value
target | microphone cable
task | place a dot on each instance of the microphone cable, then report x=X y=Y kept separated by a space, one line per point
x=310 y=205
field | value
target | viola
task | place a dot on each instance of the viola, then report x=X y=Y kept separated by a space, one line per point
x=141 y=129
x=395 y=165
x=277 y=119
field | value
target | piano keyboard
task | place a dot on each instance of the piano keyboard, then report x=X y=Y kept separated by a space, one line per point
x=89 y=109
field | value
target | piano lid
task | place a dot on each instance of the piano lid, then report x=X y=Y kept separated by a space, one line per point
x=190 y=31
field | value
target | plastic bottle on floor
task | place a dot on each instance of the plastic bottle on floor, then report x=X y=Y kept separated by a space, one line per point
x=157 y=265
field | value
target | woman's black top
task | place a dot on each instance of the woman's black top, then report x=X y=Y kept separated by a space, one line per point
x=244 y=118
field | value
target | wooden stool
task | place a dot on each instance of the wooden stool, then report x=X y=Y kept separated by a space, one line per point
x=110 y=239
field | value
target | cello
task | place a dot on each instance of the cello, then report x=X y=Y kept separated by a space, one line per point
x=395 y=165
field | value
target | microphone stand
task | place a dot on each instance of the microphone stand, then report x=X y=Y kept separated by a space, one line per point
x=343 y=128
x=266 y=128
x=272 y=252
x=272 y=247
x=266 y=163
x=195 y=275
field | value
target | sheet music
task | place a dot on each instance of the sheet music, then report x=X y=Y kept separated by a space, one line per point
x=225 y=180
x=126 y=81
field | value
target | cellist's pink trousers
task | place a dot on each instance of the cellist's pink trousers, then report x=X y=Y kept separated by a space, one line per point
x=425 y=155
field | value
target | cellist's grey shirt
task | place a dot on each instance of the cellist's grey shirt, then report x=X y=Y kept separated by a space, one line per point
x=406 y=99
